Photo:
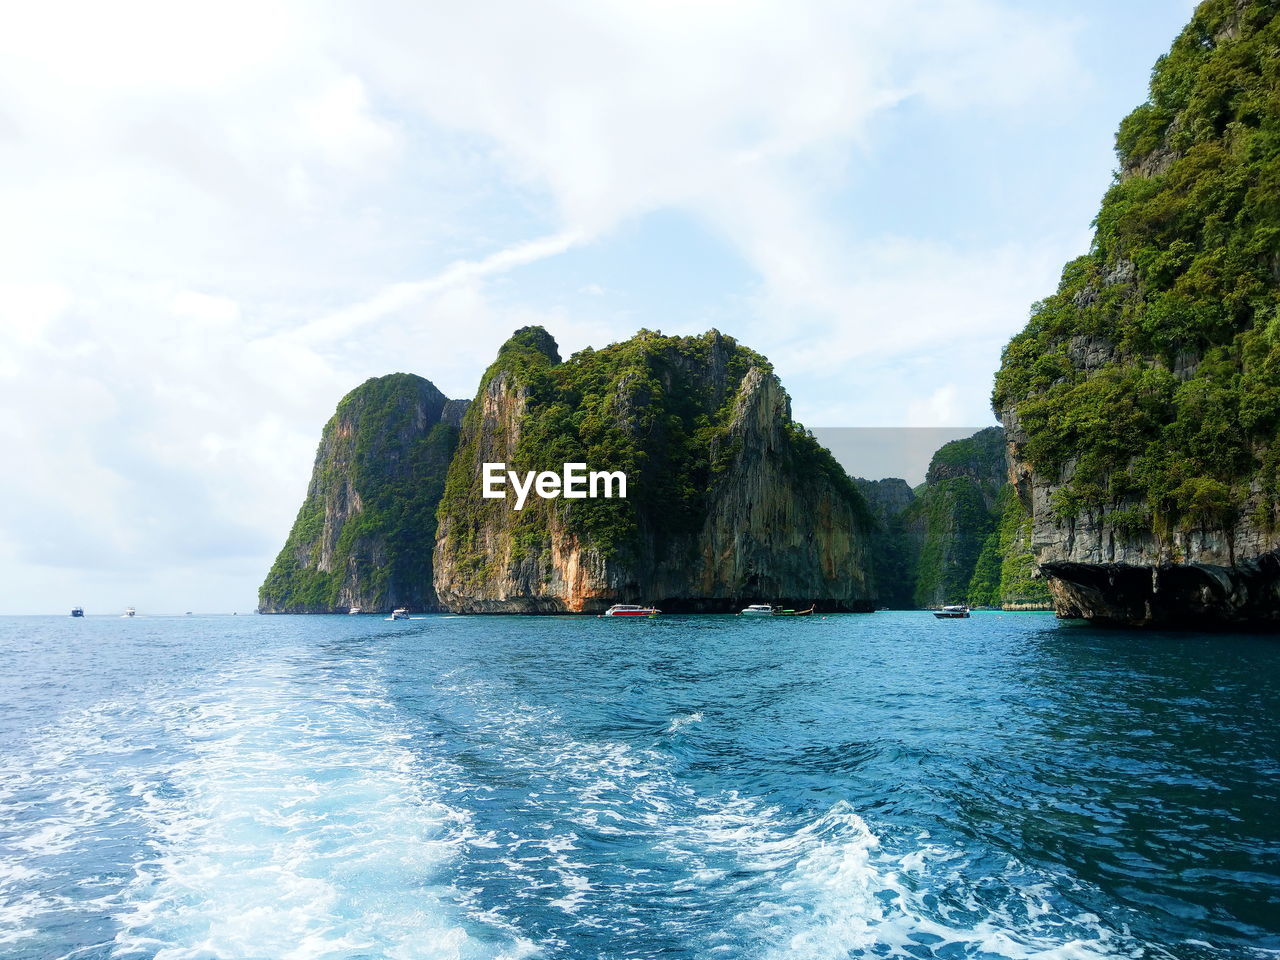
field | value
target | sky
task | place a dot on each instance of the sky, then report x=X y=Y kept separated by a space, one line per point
x=219 y=218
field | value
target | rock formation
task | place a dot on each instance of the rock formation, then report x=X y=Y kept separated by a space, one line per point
x=960 y=537
x=1142 y=402
x=954 y=514
x=895 y=553
x=365 y=531
x=729 y=501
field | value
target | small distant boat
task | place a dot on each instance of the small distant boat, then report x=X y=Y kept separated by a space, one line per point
x=353 y=610
x=631 y=610
x=77 y=611
x=399 y=613
x=129 y=612
x=757 y=610
x=955 y=611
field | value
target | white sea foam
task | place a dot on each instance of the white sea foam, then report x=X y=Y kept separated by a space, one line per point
x=834 y=892
x=817 y=888
x=678 y=723
x=271 y=815
x=56 y=804
x=293 y=817
x=301 y=826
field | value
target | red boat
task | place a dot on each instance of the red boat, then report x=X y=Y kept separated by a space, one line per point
x=631 y=610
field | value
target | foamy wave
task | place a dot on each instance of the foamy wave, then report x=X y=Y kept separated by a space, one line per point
x=301 y=826
x=59 y=806
x=822 y=887
x=260 y=814
x=834 y=893
x=679 y=723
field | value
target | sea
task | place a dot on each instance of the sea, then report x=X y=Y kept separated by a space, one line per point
x=841 y=786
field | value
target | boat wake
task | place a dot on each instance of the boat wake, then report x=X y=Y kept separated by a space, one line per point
x=271 y=815
x=622 y=848
x=293 y=814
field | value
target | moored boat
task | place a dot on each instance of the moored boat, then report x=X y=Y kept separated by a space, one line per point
x=757 y=610
x=631 y=610
x=954 y=611
x=795 y=613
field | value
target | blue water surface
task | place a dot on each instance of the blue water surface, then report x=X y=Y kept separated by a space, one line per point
x=884 y=785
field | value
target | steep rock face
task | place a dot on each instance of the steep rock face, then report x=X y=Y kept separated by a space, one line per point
x=961 y=536
x=886 y=498
x=729 y=502
x=953 y=515
x=1142 y=402
x=895 y=551
x=365 y=531
x=1006 y=574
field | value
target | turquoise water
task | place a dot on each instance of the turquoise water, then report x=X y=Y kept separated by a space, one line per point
x=883 y=785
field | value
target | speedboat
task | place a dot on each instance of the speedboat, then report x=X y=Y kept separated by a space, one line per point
x=129 y=612
x=757 y=610
x=631 y=610
x=77 y=611
x=353 y=610
x=955 y=611
x=400 y=613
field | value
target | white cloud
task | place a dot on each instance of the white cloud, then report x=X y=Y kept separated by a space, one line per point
x=620 y=108
x=338 y=122
x=938 y=408
x=400 y=296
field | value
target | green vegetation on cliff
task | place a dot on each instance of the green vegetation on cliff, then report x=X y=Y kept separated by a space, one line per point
x=961 y=536
x=1004 y=573
x=954 y=522
x=953 y=514
x=365 y=532
x=895 y=553
x=659 y=408
x=1152 y=376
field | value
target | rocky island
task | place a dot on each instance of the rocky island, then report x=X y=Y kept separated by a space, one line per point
x=730 y=501
x=364 y=534
x=1142 y=401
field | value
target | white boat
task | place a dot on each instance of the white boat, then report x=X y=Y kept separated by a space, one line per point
x=631 y=610
x=399 y=613
x=129 y=612
x=353 y=610
x=955 y=611
x=758 y=610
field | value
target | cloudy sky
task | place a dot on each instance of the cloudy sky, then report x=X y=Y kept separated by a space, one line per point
x=217 y=219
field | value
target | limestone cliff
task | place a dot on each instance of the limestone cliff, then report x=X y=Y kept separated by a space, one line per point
x=365 y=531
x=1006 y=574
x=1142 y=402
x=895 y=551
x=960 y=537
x=729 y=501
x=953 y=515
